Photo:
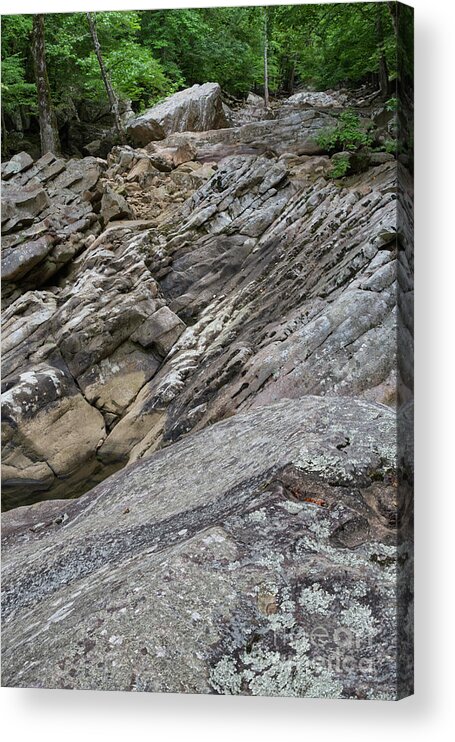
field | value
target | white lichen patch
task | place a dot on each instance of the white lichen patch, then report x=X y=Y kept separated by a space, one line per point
x=359 y=619
x=266 y=672
x=320 y=528
x=284 y=617
x=258 y=516
x=292 y=507
x=314 y=599
x=225 y=678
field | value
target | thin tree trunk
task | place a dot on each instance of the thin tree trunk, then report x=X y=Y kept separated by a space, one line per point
x=383 y=71
x=291 y=79
x=4 y=134
x=393 y=10
x=113 y=100
x=50 y=141
x=266 y=65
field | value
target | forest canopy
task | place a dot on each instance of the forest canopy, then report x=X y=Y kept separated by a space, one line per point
x=151 y=54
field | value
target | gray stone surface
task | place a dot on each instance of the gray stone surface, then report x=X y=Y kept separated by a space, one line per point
x=18 y=163
x=198 y=108
x=227 y=281
x=293 y=131
x=114 y=206
x=47 y=215
x=327 y=99
x=220 y=564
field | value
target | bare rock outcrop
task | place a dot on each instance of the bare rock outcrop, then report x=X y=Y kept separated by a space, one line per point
x=287 y=288
x=198 y=108
x=325 y=99
x=292 y=132
x=258 y=556
x=48 y=213
x=218 y=271
x=101 y=337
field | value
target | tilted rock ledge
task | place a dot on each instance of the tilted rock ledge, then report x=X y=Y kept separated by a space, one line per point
x=174 y=285
x=220 y=563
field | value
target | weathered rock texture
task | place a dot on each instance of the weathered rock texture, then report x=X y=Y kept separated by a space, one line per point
x=48 y=215
x=212 y=312
x=198 y=108
x=256 y=557
x=290 y=131
x=328 y=99
x=212 y=272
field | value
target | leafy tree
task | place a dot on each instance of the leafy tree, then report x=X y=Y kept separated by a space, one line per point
x=18 y=88
x=150 y=54
x=339 y=44
x=16 y=91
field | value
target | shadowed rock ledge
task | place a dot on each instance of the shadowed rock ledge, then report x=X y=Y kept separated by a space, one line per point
x=257 y=556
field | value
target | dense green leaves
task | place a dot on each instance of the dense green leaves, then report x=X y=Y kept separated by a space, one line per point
x=345 y=135
x=150 y=54
x=16 y=91
x=17 y=88
x=337 y=44
x=217 y=44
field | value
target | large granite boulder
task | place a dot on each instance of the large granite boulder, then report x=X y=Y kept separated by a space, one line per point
x=198 y=108
x=258 y=557
x=318 y=99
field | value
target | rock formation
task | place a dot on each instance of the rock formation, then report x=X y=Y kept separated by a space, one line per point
x=213 y=312
x=219 y=564
x=269 y=281
x=48 y=212
x=199 y=108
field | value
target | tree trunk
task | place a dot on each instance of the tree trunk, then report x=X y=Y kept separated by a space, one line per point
x=50 y=141
x=393 y=10
x=113 y=100
x=383 y=71
x=291 y=78
x=4 y=134
x=266 y=65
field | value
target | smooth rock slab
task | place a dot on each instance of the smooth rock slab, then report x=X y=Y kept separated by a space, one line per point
x=215 y=565
x=198 y=108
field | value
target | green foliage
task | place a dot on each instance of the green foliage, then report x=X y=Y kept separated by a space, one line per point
x=340 y=166
x=390 y=146
x=338 y=44
x=221 y=45
x=346 y=135
x=17 y=89
x=136 y=75
x=150 y=54
x=391 y=104
x=16 y=92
